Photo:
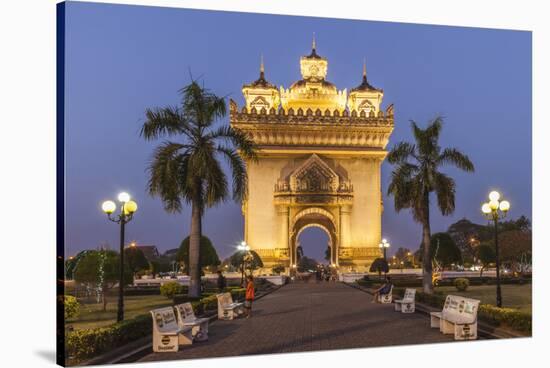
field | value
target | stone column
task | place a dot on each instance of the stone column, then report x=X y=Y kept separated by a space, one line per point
x=345 y=225
x=283 y=212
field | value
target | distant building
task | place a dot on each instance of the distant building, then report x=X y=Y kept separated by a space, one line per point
x=149 y=251
x=171 y=253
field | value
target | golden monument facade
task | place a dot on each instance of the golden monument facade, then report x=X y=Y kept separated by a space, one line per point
x=320 y=153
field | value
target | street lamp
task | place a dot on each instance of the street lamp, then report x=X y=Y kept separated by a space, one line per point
x=245 y=248
x=494 y=210
x=384 y=245
x=127 y=210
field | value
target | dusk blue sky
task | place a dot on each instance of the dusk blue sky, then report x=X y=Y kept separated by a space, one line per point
x=122 y=59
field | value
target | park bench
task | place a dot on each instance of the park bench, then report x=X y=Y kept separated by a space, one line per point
x=227 y=309
x=406 y=305
x=167 y=335
x=386 y=298
x=458 y=317
x=186 y=317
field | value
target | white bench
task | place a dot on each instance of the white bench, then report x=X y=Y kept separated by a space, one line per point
x=167 y=335
x=386 y=298
x=458 y=317
x=227 y=309
x=406 y=305
x=186 y=317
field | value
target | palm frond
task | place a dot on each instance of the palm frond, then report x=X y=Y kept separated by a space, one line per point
x=238 y=172
x=401 y=152
x=165 y=178
x=427 y=139
x=215 y=181
x=165 y=121
x=454 y=157
x=433 y=130
x=399 y=187
x=237 y=138
x=445 y=189
x=202 y=106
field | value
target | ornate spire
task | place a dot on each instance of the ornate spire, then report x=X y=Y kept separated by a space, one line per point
x=365 y=85
x=262 y=66
x=261 y=81
x=313 y=54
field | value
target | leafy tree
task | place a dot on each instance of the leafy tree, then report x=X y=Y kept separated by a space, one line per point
x=278 y=269
x=486 y=256
x=327 y=254
x=208 y=254
x=515 y=248
x=522 y=224
x=305 y=264
x=379 y=265
x=189 y=169
x=254 y=263
x=135 y=260
x=299 y=252
x=417 y=174
x=467 y=236
x=100 y=269
x=70 y=264
x=444 y=250
x=160 y=265
x=404 y=255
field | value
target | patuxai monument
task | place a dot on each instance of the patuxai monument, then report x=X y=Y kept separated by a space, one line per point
x=320 y=154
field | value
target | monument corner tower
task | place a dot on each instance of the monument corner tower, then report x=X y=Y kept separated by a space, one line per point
x=319 y=159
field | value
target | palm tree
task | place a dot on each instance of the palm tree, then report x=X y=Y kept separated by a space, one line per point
x=189 y=170
x=417 y=174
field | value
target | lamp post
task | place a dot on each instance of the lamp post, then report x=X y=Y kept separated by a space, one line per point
x=384 y=245
x=245 y=248
x=494 y=210
x=127 y=210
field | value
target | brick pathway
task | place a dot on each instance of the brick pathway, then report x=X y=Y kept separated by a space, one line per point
x=308 y=317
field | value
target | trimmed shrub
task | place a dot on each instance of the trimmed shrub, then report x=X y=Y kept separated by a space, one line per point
x=512 y=318
x=517 y=320
x=170 y=289
x=85 y=344
x=461 y=284
x=278 y=269
x=71 y=306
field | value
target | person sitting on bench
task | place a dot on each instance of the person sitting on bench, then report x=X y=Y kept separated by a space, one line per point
x=383 y=290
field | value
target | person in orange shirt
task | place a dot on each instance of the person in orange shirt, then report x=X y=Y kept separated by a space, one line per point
x=249 y=296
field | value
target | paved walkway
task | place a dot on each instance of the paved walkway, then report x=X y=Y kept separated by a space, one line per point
x=307 y=317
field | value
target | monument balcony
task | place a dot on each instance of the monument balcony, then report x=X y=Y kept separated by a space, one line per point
x=323 y=194
x=269 y=128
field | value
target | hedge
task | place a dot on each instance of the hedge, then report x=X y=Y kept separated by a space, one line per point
x=86 y=344
x=517 y=320
x=412 y=281
x=490 y=314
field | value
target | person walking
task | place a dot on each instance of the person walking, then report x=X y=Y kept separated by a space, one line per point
x=222 y=282
x=249 y=296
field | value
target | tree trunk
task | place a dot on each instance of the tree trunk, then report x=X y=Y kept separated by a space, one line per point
x=426 y=243
x=194 y=250
x=481 y=272
x=104 y=293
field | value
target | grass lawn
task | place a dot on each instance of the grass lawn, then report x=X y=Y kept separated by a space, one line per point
x=513 y=296
x=92 y=315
